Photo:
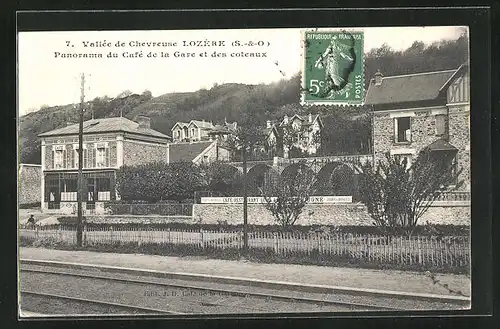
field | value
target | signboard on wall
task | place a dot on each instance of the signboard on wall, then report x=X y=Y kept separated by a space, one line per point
x=331 y=199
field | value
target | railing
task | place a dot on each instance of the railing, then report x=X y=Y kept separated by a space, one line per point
x=454 y=196
x=423 y=250
x=163 y=209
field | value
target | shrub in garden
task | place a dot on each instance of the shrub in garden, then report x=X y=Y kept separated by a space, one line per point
x=397 y=195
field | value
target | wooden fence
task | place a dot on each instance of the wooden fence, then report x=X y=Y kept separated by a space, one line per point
x=424 y=250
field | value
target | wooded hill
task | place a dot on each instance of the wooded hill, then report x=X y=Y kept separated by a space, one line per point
x=348 y=130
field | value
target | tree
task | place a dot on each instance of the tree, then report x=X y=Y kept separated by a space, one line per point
x=220 y=177
x=124 y=93
x=288 y=194
x=397 y=195
x=157 y=181
x=248 y=136
x=147 y=95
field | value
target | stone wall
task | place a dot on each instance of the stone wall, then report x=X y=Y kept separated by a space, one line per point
x=423 y=132
x=151 y=219
x=459 y=137
x=30 y=178
x=135 y=153
x=340 y=215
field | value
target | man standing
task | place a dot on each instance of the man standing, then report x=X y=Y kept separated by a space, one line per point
x=31 y=221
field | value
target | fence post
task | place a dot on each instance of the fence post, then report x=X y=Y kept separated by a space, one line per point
x=419 y=251
x=139 y=242
x=201 y=239
x=60 y=233
x=275 y=236
x=84 y=235
x=111 y=233
x=36 y=232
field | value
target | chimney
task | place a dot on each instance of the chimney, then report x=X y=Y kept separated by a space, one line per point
x=378 y=78
x=285 y=119
x=268 y=123
x=144 y=121
x=310 y=118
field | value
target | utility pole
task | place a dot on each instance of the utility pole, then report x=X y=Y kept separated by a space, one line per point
x=245 y=202
x=80 y=166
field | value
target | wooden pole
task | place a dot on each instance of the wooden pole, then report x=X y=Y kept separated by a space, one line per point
x=80 y=166
x=245 y=203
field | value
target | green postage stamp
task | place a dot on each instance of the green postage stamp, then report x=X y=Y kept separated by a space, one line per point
x=333 y=68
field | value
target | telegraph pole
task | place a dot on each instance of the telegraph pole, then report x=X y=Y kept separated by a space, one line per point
x=80 y=166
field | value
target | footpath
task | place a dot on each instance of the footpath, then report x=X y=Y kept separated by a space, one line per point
x=400 y=281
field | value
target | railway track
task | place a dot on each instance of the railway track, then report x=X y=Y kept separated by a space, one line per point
x=83 y=303
x=154 y=295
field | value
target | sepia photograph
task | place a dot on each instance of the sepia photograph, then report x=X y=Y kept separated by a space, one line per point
x=243 y=171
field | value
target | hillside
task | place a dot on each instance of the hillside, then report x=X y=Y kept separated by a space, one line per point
x=230 y=101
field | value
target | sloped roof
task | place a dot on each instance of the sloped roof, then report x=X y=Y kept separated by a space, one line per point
x=105 y=125
x=202 y=124
x=441 y=145
x=407 y=88
x=186 y=152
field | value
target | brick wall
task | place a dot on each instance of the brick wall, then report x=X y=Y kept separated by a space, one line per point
x=29 y=184
x=341 y=215
x=135 y=153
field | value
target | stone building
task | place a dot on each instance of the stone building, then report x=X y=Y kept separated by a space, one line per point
x=428 y=109
x=299 y=132
x=107 y=145
x=29 y=178
x=197 y=130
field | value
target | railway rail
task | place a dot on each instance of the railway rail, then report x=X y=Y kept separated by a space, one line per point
x=156 y=295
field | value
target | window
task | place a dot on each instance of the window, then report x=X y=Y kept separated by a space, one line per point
x=70 y=185
x=440 y=124
x=193 y=132
x=75 y=158
x=101 y=157
x=58 y=158
x=205 y=158
x=402 y=130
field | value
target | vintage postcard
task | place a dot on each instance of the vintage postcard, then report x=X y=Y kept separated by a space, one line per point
x=246 y=171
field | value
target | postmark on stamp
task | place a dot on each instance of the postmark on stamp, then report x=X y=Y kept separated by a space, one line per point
x=333 y=68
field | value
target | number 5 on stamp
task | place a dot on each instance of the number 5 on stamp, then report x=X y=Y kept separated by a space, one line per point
x=333 y=68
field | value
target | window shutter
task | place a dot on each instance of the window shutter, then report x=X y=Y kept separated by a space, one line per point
x=395 y=136
x=65 y=160
x=85 y=158
x=440 y=126
x=94 y=151
x=53 y=159
x=69 y=158
x=107 y=157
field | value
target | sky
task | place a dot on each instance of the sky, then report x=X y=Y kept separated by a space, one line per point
x=45 y=77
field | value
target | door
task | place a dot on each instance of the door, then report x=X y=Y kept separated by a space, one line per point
x=91 y=193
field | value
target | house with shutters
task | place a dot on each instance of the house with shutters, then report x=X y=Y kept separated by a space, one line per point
x=200 y=130
x=424 y=110
x=297 y=132
x=108 y=144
